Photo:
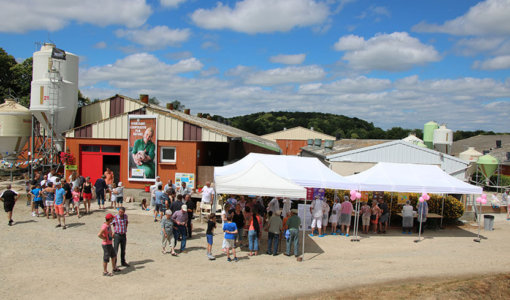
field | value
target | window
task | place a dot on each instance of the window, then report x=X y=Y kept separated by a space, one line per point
x=90 y=148
x=168 y=155
x=110 y=149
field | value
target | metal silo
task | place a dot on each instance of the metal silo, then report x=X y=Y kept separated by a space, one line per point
x=428 y=133
x=443 y=139
x=54 y=92
x=15 y=128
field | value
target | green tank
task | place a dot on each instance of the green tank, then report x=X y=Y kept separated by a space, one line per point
x=428 y=134
x=488 y=165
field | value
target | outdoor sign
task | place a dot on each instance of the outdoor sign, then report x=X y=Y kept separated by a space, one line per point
x=312 y=193
x=378 y=196
x=402 y=198
x=142 y=141
x=71 y=167
x=305 y=215
x=189 y=178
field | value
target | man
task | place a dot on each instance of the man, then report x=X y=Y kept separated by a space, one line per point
x=273 y=233
x=191 y=206
x=109 y=179
x=183 y=190
x=143 y=154
x=169 y=186
x=59 y=205
x=177 y=204
x=232 y=201
x=120 y=224
x=153 y=188
x=317 y=211
x=207 y=193
x=385 y=215
x=100 y=188
x=423 y=211
x=180 y=219
x=161 y=201
x=293 y=224
x=9 y=197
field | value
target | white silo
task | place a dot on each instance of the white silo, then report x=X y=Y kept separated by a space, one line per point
x=54 y=92
x=470 y=155
x=15 y=128
x=443 y=139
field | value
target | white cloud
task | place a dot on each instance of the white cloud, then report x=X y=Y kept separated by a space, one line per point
x=171 y=3
x=490 y=17
x=25 y=15
x=100 y=45
x=286 y=75
x=390 y=52
x=179 y=55
x=155 y=38
x=473 y=46
x=359 y=84
x=496 y=63
x=291 y=59
x=262 y=16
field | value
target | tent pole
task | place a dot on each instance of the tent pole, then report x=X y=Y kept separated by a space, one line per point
x=391 y=205
x=442 y=214
x=419 y=230
x=356 y=222
x=303 y=225
x=477 y=239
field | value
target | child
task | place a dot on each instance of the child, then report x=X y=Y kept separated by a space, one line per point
x=105 y=234
x=365 y=217
x=230 y=230
x=211 y=225
x=76 y=200
x=113 y=196
x=167 y=235
x=144 y=205
x=37 y=193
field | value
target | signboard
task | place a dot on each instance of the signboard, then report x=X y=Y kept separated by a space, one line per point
x=71 y=167
x=305 y=215
x=402 y=198
x=189 y=178
x=312 y=193
x=142 y=141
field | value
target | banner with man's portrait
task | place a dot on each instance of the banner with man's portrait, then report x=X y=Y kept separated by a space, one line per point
x=142 y=142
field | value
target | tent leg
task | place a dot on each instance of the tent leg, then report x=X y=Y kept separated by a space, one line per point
x=304 y=231
x=419 y=230
x=356 y=222
x=442 y=214
x=477 y=239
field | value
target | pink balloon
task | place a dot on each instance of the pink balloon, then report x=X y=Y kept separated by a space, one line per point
x=353 y=192
x=424 y=195
x=427 y=197
x=353 y=197
x=421 y=199
x=484 y=200
x=484 y=196
x=478 y=200
x=358 y=195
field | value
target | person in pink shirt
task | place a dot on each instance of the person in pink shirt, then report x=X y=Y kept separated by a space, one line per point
x=76 y=200
x=365 y=217
x=345 y=216
x=106 y=235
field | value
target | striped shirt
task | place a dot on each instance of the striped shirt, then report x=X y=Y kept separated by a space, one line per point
x=120 y=224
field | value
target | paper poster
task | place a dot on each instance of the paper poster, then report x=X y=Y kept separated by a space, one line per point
x=142 y=141
x=402 y=198
x=189 y=178
x=305 y=215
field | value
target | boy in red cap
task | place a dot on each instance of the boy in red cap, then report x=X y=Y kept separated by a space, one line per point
x=108 y=252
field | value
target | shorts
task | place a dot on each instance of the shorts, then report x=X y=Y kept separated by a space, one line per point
x=365 y=220
x=209 y=239
x=374 y=219
x=76 y=203
x=48 y=203
x=160 y=208
x=384 y=218
x=345 y=219
x=87 y=196
x=325 y=220
x=108 y=252
x=59 y=209
x=120 y=199
x=317 y=222
x=333 y=219
x=38 y=204
x=9 y=206
x=229 y=243
x=113 y=198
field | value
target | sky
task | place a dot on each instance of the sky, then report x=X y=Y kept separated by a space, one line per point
x=394 y=63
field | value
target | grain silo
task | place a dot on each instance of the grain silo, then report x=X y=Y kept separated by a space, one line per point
x=15 y=128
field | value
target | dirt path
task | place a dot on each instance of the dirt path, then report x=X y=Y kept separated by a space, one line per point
x=37 y=260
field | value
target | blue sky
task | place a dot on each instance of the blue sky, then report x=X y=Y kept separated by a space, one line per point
x=394 y=63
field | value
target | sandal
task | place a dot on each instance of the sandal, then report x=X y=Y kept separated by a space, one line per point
x=116 y=270
x=107 y=274
x=174 y=254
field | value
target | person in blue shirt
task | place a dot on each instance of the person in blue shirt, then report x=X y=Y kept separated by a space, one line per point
x=59 y=205
x=37 y=193
x=230 y=230
x=161 y=201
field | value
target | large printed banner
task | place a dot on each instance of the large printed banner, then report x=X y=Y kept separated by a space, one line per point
x=312 y=193
x=189 y=178
x=142 y=141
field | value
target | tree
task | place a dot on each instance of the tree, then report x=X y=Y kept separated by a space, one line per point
x=154 y=100
x=178 y=105
x=82 y=100
x=6 y=63
x=21 y=81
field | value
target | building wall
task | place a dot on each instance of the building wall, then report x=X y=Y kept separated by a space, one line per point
x=291 y=147
x=186 y=158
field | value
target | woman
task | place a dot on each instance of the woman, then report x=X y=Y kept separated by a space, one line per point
x=345 y=216
x=87 y=194
x=335 y=215
x=49 y=193
x=376 y=212
x=325 y=216
x=254 y=233
x=407 y=218
x=238 y=218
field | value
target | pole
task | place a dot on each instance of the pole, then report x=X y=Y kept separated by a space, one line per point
x=478 y=217
x=356 y=222
x=391 y=205
x=304 y=230
x=442 y=213
x=420 y=213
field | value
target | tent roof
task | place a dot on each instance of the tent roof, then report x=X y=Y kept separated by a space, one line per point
x=412 y=178
x=259 y=180
x=303 y=171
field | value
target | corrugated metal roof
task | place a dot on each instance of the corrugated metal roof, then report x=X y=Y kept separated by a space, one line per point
x=212 y=128
x=340 y=146
x=481 y=143
x=297 y=133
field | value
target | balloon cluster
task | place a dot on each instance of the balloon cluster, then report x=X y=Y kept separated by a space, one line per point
x=424 y=197
x=355 y=195
x=482 y=199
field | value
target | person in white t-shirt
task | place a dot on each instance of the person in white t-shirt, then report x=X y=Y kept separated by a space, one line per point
x=207 y=193
x=153 y=188
x=317 y=211
x=273 y=206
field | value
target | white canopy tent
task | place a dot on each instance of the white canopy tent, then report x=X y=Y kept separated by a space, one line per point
x=303 y=171
x=411 y=178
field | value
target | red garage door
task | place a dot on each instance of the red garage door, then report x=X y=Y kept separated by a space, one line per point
x=92 y=159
